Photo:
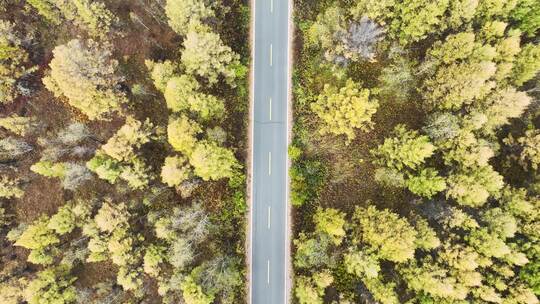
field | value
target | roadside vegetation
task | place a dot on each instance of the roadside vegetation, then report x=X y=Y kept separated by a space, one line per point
x=122 y=151
x=415 y=152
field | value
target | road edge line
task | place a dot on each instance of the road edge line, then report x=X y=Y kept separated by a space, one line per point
x=288 y=219
x=249 y=239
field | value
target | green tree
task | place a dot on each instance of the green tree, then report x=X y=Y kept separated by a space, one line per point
x=500 y=223
x=530 y=149
x=19 y=125
x=311 y=290
x=40 y=239
x=502 y=105
x=132 y=135
x=405 y=149
x=474 y=186
x=527 y=15
x=427 y=183
x=10 y=188
x=13 y=61
x=527 y=64
x=430 y=278
x=105 y=167
x=52 y=286
x=459 y=83
x=211 y=162
x=161 y=73
x=455 y=47
x=330 y=222
x=153 y=257
x=85 y=74
x=312 y=252
x=95 y=17
x=49 y=169
x=361 y=264
x=344 y=109
x=193 y=293
x=182 y=134
x=414 y=20
x=175 y=171
x=392 y=237
x=206 y=55
x=47 y=9
x=184 y=15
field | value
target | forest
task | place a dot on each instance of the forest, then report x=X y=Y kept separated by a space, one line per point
x=416 y=151
x=123 y=130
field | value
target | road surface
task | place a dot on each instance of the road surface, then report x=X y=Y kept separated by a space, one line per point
x=269 y=176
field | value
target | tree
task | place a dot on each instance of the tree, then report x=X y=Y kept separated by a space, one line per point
x=330 y=222
x=85 y=74
x=474 y=186
x=358 y=42
x=527 y=64
x=406 y=149
x=397 y=79
x=427 y=183
x=52 y=285
x=442 y=126
x=193 y=293
x=186 y=15
x=12 y=149
x=392 y=237
x=182 y=134
x=206 y=56
x=430 y=278
x=105 y=167
x=47 y=9
x=311 y=290
x=178 y=91
x=13 y=61
x=488 y=244
x=323 y=31
x=175 y=170
x=344 y=109
x=459 y=83
x=49 y=169
x=530 y=149
x=153 y=257
x=132 y=135
x=9 y=188
x=219 y=276
x=161 y=73
x=527 y=15
x=414 y=19
x=40 y=239
x=500 y=223
x=426 y=237
x=455 y=47
x=312 y=252
x=12 y=290
x=69 y=217
x=361 y=264
x=383 y=292
x=503 y=105
x=461 y=12
x=94 y=16
x=211 y=162
x=19 y=125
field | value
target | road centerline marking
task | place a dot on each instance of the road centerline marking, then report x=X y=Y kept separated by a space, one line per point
x=271 y=6
x=268 y=272
x=269 y=214
x=271 y=55
x=270 y=106
x=269 y=163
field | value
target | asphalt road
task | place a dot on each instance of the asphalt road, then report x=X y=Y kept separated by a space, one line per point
x=269 y=176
